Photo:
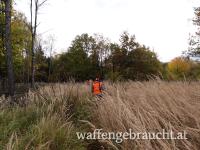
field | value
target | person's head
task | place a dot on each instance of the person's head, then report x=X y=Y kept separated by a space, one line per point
x=97 y=79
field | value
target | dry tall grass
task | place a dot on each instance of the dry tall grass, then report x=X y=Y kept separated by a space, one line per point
x=45 y=119
x=49 y=116
x=152 y=106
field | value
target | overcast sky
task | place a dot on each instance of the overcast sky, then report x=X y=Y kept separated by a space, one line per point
x=163 y=25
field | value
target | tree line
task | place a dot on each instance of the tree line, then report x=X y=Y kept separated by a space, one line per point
x=24 y=59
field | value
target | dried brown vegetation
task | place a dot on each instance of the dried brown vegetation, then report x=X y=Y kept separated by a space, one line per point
x=152 y=106
x=51 y=116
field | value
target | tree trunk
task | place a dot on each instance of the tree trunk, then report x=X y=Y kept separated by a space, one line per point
x=34 y=33
x=37 y=5
x=9 y=57
x=32 y=47
x=32 y=63
x=50 y=63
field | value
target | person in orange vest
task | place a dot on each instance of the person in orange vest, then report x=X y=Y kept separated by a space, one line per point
x=97 y=87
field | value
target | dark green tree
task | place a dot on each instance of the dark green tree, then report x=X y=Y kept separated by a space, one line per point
x=41 y=65
x=142 y=64
x=130 y=60
x=80 y=61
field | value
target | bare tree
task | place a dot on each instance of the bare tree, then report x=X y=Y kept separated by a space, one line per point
x=34 y=8
x=8 y=46
x=103 y=51
x=49 y=46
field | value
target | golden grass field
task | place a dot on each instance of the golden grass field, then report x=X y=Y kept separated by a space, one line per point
x=50 y=117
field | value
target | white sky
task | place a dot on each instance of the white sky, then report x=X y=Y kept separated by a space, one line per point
x=163 y=25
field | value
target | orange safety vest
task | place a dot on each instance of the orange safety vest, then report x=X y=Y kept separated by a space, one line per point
x=96 y=87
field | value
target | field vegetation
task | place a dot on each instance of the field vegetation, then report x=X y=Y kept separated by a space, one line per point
x=49 y=117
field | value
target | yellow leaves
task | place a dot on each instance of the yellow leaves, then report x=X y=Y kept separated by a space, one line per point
x=179 y=66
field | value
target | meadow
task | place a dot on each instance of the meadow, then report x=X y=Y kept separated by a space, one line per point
x=49 y=118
